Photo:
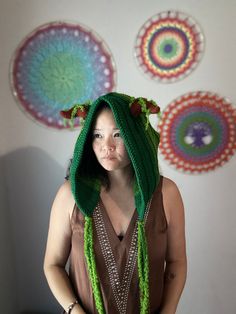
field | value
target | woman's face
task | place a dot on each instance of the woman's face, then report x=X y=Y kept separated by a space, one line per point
x=108 y=144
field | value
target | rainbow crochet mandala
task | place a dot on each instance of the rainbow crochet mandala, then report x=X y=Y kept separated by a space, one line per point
x=198 y=132
x=57 y=65
x=169 y=46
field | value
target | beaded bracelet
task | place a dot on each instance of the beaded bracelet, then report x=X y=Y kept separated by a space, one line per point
x=71 y=306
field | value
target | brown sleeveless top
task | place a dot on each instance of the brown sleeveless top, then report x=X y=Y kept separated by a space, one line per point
x=116 y=259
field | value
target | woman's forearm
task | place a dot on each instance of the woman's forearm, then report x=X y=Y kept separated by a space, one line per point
x=175 y=277
x=60 y=286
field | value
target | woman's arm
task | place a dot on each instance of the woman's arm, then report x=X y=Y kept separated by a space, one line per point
x=58 y=249
x=176 y=261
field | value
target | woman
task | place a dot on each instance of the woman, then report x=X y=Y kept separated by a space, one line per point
x=121 y=223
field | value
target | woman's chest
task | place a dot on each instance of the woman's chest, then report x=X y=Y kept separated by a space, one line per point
x=119 y=215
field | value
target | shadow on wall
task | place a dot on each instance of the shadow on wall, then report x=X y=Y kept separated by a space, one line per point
x=32 y=179
x=7 y=271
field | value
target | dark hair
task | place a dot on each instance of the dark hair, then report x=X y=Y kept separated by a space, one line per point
x=89 y=166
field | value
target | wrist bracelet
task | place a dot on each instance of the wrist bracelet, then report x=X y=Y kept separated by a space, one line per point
x=71 y=306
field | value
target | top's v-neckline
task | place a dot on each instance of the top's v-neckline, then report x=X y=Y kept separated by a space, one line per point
x=114 y=235
x=120 y=257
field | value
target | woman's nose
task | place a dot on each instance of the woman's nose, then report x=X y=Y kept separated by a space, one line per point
x=109 y=144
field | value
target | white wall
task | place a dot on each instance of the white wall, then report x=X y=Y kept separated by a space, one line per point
x=35 y=158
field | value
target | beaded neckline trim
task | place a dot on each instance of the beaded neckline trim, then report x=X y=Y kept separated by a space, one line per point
x=120 y=288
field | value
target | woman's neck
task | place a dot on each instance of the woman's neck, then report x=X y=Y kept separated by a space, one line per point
x=122 y=178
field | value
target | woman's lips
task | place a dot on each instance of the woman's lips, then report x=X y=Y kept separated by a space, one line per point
x=109 y=158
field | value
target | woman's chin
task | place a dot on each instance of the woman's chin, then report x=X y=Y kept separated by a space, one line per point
x=110 y=167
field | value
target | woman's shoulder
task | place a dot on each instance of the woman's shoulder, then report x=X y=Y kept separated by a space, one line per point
x=172 y=199
x=170 y=190
x=168 y=185
x=64 y=190
x=64 y=198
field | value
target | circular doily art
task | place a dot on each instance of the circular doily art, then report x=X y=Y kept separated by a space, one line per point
x=58 y=65
x=198 y=132
x=169 y=46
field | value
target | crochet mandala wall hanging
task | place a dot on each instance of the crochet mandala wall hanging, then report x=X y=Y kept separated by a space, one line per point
x=198 y=132
x=57 y=65
x=169 y=46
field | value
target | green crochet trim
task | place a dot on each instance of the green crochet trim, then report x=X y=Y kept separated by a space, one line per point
x=91 y=263
x=143 y=269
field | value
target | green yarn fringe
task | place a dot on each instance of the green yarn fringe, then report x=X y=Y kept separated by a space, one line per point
x=91 y=263
x=143 y=269
x=143 y=266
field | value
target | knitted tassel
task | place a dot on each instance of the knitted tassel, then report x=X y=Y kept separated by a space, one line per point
x=143 y=269
x=91 y=263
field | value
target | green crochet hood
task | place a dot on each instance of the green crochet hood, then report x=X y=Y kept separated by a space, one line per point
x=141 y=141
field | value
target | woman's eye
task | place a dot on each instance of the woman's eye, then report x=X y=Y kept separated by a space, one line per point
x=97 y=135
x=117 y=134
